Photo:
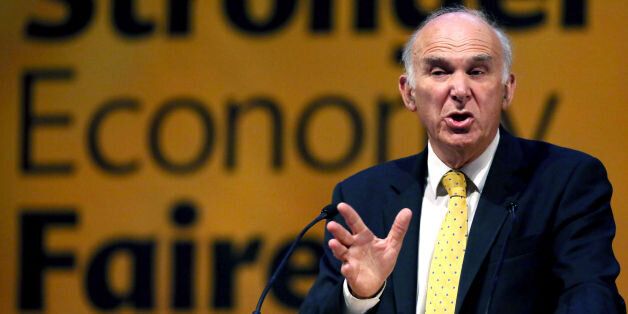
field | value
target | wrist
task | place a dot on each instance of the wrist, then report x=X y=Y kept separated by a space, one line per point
x=368 y=296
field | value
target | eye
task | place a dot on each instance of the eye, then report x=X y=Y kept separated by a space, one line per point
x=437 y=72
x=477 y=72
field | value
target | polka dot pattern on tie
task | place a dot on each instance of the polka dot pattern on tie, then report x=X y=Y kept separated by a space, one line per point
x=444 y=275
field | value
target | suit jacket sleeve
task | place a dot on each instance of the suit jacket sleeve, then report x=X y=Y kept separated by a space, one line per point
x=584 y=229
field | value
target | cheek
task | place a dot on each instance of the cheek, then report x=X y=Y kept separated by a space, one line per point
x=431 y=97
x=430 y=106
x=430 y=116
x=490 y=101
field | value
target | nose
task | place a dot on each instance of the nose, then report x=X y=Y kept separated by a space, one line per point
x=459 y=91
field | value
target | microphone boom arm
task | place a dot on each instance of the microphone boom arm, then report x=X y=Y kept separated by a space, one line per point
x=328 y=212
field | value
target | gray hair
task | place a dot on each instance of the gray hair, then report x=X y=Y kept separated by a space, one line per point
x=407 y=56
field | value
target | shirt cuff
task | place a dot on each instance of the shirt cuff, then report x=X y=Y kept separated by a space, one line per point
x=359 y=306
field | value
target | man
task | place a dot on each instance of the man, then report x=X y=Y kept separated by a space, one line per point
x=480 y=221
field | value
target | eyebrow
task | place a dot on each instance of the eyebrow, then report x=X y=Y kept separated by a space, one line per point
x=432 y=60
x=482 y=58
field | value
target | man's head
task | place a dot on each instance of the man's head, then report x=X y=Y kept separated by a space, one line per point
x=458 y=80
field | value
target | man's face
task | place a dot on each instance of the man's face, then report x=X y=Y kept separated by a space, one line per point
x=458 y=89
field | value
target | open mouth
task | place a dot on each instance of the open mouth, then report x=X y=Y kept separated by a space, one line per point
x=459 y=120
x=459 y=117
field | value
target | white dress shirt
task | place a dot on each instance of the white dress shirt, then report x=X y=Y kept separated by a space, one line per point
x=433 y=210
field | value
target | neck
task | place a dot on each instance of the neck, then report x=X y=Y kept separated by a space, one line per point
x=458 y=157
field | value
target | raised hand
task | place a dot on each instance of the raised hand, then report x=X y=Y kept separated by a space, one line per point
x=366 y=259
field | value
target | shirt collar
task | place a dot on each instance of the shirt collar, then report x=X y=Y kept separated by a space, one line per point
x=476 y=170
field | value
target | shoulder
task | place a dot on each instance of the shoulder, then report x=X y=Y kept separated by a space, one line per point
x=549 y=167
x=372 y=187
x=385 y=173
x=539 y=155
x=534 y=155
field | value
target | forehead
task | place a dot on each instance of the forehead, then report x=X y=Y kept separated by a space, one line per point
x=457 y=35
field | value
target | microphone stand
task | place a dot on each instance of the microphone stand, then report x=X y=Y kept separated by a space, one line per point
x=327 y=212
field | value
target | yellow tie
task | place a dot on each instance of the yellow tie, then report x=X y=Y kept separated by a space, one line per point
x=444 y=275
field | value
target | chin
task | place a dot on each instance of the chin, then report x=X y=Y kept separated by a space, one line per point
x=461 y=140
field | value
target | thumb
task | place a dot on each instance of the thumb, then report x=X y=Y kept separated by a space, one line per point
x=400 y=226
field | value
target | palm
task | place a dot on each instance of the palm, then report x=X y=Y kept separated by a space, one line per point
x=367 y=260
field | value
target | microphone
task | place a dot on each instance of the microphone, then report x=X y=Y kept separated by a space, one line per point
x=512 y=208
x=328 y=212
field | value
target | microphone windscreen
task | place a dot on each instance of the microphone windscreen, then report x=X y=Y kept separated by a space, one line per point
x=330 y=211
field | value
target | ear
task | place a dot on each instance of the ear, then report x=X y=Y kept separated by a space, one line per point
x=407 y=93
x=509 y=91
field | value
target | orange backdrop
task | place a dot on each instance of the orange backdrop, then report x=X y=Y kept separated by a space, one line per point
x=159 y=155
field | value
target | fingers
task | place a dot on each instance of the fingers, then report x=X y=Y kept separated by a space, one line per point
x=400 y=226
x=339 y=250
x=347 y=271
x=352 y=218
x=340 y=233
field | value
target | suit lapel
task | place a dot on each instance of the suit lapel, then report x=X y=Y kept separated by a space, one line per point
x=407 y=193
x=502 y=186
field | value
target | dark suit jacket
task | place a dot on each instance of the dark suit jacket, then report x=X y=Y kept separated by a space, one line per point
x=540 y=241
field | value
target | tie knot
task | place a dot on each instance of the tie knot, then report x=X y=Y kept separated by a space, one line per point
x=455 y=183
